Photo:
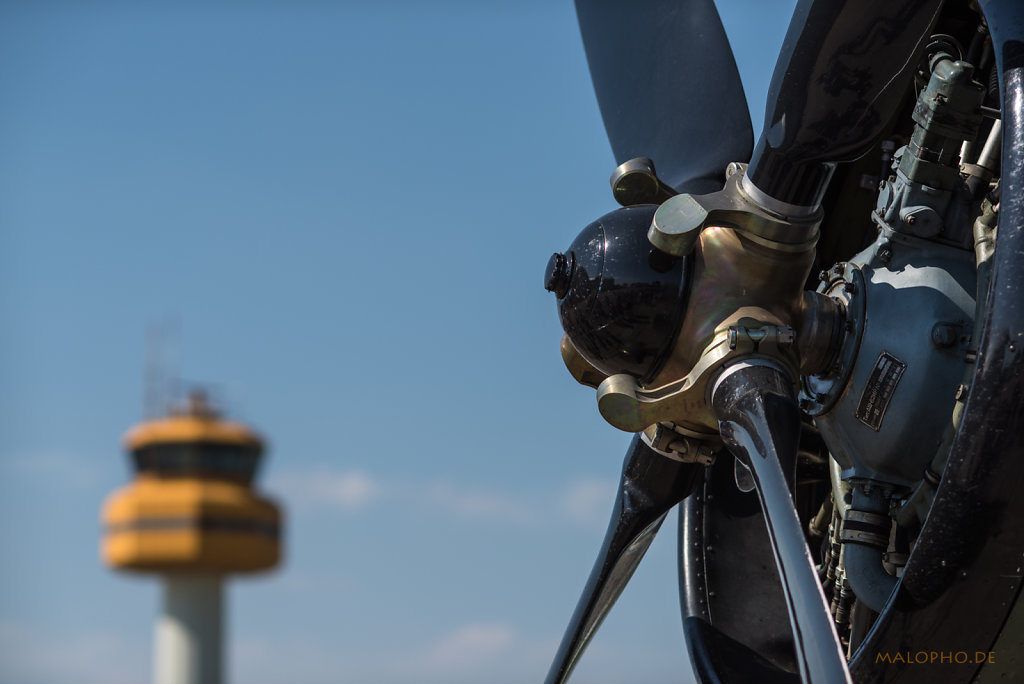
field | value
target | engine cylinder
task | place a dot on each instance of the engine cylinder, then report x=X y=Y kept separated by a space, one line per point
x=883 y=408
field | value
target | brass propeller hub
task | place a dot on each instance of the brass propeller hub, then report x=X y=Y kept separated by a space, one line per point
x=746 y=299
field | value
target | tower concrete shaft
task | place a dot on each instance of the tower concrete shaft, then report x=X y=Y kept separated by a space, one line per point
x=190 y=631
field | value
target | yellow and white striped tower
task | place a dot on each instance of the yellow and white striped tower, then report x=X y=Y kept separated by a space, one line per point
x=190 y=515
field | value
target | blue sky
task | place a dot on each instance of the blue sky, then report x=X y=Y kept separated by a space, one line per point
x=347 y=209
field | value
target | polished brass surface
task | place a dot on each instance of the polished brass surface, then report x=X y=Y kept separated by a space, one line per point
x=581 y=369
x=735 y=278
x=636 y=182
x=630 y=407
x=680 y=219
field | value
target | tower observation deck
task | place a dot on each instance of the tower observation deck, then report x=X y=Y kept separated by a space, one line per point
x=190 y=515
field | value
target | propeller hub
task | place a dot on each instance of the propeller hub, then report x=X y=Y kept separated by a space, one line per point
x=621 y=302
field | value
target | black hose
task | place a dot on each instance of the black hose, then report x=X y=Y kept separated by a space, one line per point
x=863 y=558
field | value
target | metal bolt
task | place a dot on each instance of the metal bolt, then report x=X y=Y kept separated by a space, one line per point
x=823 y=276
x=910 y=220
x=850 y=288
x=944 y=334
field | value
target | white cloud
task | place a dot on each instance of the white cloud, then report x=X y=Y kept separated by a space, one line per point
x=289 y=659
x=589 y=500
x=585 y=501
x=29 y=655
x=467 y=647
x=351 y=490
x=60 y=467
x=478 y=504
x=481 y=651
x=356 y=489
x=348 y=490
x=475 y=652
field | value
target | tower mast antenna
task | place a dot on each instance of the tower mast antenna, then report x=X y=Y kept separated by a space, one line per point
x=160 y=372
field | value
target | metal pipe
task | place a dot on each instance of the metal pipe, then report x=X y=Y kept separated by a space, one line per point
x=966 y=150
x=840 y=488
x=989 y=156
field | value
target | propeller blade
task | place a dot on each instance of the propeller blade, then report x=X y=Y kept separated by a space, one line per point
x=668 y=87
x=651 y=484
x=842 y=73
x=760 y=423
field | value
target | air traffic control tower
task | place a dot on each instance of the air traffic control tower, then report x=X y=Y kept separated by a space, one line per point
x=191 y=516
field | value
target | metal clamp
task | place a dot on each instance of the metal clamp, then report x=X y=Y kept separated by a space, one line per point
x=679 y=221
x=627 y=406
x=870 y=529
x=673 y=442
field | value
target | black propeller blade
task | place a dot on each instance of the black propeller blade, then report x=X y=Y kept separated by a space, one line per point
x=760 y=423
x=650 y=486
x=842 y=72
x=668 y=87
